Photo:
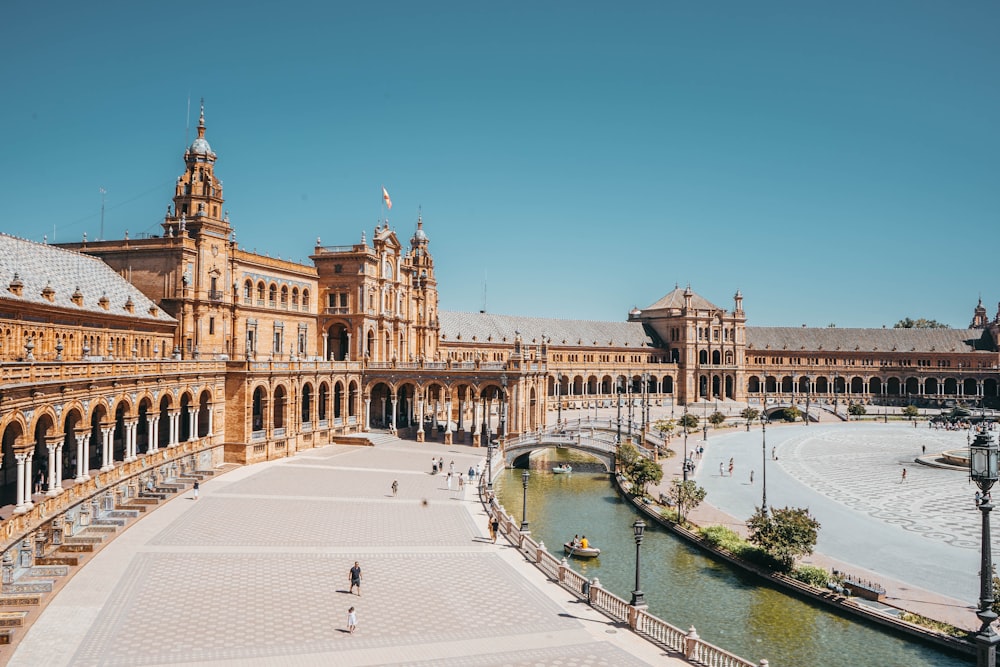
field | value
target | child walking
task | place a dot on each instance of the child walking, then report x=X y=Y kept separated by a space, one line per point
x=352 y=620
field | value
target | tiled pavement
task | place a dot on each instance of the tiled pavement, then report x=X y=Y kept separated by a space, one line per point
x=255 y=573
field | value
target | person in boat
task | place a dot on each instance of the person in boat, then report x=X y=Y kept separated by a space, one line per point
x=576 y=542
x=584 y=544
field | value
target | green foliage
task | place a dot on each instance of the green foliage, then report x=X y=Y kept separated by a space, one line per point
x=626 y=456
x=664 y=426
x=689 y=421
x=686 y=495
x=791 y=414
x=996 y=592
x=909 y=323
x=856 y=409
x=721 y=537
x=643 y=473
x=931 y=624
x=670 y=514
x=911 y=411
x=716 y=418
x=750 y=414
x=814 y=576
x=785 y=534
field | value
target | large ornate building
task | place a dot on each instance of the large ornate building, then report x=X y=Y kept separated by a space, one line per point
x=128 y=356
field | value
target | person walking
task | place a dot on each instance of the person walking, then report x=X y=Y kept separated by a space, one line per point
x=196 y=487
x=352 y=620
x=751 y=477
x=449 y=481
x=722 y=471
x=903 y=478
x=732 y=466
x=395 y=487
x=494 y=528
x=493 y=531
x=461 y=482
x=355 y=577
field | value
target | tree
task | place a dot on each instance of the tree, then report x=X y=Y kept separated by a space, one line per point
x=792 y=413
x=685 y=496
x=689 y=421
x=911 y=411
x=750 y=414
x=909 y=323
x=664 y=427
x=644 y=472
x=785 y=533
x=625 y=457
x=716 y=418
x=856 y=409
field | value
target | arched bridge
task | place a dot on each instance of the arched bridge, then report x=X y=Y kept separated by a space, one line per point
x=813 y=414
x=596 y=438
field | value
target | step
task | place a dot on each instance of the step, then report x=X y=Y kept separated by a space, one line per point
x=14 y=600
x=6 y=636
x=54 y=559
x=99 y=530
x=83 y=539
x=75 y=549
x=119 y=513
x=48 y=571
x=170 y=488
x=22 y=587
x=12 y=619
x=129 y=507
x=153 y=495
x=105 y=521
x=141 y=500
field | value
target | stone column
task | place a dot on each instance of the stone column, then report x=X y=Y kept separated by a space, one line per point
x=368 y=413
x=82 y=443
x=28 y=503
x=107 y=448
x=392 y=416
x=51 y=446
x=151 y=433
x=448 y=437
x=21 y=507
x=420 y=416
x=211 y=424
x=59 y=467
x=192 y=423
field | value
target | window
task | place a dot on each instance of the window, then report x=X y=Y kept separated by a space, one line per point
x=211 y=326
x=247 y=290
x=305 y=298
x=277 y=339
x=272 y=296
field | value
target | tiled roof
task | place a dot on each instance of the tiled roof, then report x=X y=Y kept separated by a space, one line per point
x=880 y=340
x=675 y=299
x=574 y=333
x=39 y=266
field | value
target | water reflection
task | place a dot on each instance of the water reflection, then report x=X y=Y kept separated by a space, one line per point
x=684 y=587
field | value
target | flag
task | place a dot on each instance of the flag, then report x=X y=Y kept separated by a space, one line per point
x=385 y=198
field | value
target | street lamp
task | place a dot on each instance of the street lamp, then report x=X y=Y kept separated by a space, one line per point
x=619 y=389
x=524 y=504
x=638 y=597
x=983 y=463
x=809 y=382
x=763 y=456
x=885 y=402
x=489 y=452
x=558 y=401
x=628 y=394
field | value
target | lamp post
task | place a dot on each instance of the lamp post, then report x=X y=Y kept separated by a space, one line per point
x=558 y=400
x=645 y=390
x=763 y=457
x=809 y=382
x=983 y=463
x=489 y=452
x=524 y=503
x=628 y=395
x=836 y=376
x=619 y=390
x=885 y=403
x=638 y=597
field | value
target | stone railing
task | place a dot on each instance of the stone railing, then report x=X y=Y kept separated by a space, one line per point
x=69 y=371
x=674 y=640
x=19 y=526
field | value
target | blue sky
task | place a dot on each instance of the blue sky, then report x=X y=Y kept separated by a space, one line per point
x=837 y=162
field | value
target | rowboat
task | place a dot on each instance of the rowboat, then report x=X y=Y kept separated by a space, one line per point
x=562 y=469
x=580 y=552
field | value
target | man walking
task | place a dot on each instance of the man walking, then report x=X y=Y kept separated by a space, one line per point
x=355 y=577
x=395 y=487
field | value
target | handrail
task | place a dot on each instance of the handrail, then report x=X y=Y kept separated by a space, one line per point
x=673 y=639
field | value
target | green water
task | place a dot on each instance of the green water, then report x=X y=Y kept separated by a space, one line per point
x=684 y=587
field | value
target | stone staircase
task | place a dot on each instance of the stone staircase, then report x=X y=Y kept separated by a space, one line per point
x=22 y=599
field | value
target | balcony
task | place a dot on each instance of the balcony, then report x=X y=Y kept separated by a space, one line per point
x=215 y=295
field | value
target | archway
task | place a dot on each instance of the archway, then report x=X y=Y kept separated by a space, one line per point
x=338 y=342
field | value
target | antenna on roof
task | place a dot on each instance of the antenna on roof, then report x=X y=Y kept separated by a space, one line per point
x=484 y=292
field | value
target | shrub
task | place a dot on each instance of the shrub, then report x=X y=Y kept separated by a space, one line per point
x=814 y=576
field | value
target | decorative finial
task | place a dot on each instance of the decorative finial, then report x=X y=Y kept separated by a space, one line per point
x=201 y=118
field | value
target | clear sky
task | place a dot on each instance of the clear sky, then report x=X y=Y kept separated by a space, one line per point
x=838 y=162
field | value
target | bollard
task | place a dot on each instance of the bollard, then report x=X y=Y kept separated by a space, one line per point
x=539 y=551
x=691 y=643
x=592 y=590
x=562 y=572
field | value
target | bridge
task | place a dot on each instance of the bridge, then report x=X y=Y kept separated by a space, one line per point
x=813 y=413
x=596 y=437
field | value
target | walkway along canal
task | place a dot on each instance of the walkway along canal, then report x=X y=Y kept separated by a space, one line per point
x=683 y=586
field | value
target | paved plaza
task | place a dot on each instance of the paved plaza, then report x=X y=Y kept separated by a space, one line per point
x=255 y=572
x=919 y=537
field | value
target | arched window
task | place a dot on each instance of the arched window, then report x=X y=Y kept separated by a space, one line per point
x=272 y=296
x=284 y=296
x=247 y=291
x=260 y=293
x=295 y=297
x=305 y=298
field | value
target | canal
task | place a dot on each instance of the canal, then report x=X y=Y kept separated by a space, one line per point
x=685 y=587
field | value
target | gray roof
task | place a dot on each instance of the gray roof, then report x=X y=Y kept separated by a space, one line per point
x=675 y=299
x=573 y=333
x=38 y=265
x=880 y=340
